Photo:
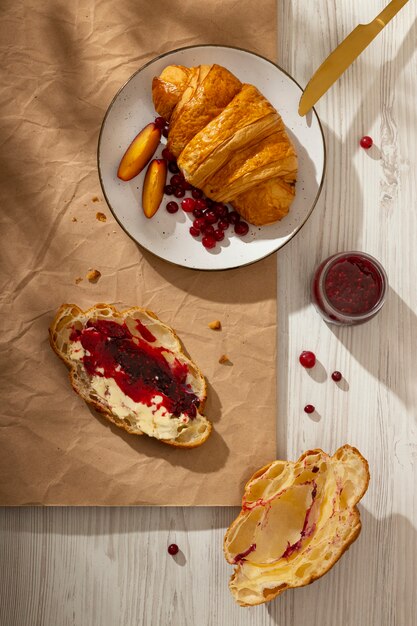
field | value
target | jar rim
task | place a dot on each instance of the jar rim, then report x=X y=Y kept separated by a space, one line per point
x=358 y=317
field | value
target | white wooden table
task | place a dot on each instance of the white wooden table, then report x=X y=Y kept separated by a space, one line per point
x=82 y=567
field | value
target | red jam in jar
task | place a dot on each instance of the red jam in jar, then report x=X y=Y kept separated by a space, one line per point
x=349 y=288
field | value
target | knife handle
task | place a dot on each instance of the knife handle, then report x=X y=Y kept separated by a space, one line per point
x=390 y=10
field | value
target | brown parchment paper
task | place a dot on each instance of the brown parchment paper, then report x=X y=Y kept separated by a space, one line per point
x=62 y=62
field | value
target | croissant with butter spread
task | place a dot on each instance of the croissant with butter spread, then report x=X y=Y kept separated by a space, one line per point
x=297 y=519
x=228 y=140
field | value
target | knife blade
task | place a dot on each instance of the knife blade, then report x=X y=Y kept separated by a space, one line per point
x=344 y=55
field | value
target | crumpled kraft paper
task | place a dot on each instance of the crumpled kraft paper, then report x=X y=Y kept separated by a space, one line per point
x=62 y=64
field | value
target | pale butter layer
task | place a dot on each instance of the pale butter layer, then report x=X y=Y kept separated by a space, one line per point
x=153 y=420
x=248 y=117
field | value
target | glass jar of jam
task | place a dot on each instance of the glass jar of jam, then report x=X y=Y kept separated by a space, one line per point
x=349 y=288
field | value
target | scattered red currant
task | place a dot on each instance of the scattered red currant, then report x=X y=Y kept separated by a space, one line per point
x=173 y=549
x=307 y=359
x=309 y=408
x=366 y=142
x=336 y=376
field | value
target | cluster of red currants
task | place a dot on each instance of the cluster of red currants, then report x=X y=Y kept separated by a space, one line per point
x=211 y=219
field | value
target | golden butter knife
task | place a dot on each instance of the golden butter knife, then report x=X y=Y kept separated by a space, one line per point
x=344 y=55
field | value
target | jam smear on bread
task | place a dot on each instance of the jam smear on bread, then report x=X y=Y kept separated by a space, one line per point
x=139 y=369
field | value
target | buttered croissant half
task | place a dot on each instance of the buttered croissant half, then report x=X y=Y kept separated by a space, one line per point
x=228 y=139
x=130 y=367
x=297 y=519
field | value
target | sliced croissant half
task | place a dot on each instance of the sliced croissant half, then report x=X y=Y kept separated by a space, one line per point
x=131 y=367
x=296 y=521
x=228 y=139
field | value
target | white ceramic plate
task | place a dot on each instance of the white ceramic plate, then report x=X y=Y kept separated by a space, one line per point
x=167 y=235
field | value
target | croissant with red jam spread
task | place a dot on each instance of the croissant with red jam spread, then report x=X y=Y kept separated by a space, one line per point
x=228 y=140
x=131 y=367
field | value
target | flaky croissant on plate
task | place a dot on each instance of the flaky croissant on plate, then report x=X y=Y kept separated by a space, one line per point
x=228 y=139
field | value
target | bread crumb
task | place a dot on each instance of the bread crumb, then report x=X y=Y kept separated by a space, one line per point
x=216 y=325
x=78 y=280
x=101 y=217
x=95 y=199
x=93 y=276
x=224 y=359
x=74 y=219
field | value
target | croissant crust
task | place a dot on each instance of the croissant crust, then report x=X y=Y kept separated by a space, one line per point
x=229 y=140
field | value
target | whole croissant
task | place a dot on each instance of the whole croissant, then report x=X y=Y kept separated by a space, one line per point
x=228 y=139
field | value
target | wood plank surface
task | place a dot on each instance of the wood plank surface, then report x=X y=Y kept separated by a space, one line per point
x=82 y=567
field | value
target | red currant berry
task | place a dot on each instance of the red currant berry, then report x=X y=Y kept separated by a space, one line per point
x=366 y=142
x=173 y=549
x=172 y=207
x=221 y=210
x=211 y=217
x=241 y=228
x=207 y=229
x=199 y=223
x=179 y=192
x=309 y=408
x=200 y=204
x=233 y=217
x=168 y=190
x=173 y=167
x=223 y=224
x=208 y=241
x=166 y=154
x=188 y=205
x=160 y=122
x=194 y=231
x=307 y=359
x=336 y=376
x=177 y=180
x=196 y=193
x=219 y=235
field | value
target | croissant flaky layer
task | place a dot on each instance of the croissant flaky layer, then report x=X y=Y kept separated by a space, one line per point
x=228 y=139
x=297 y=520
